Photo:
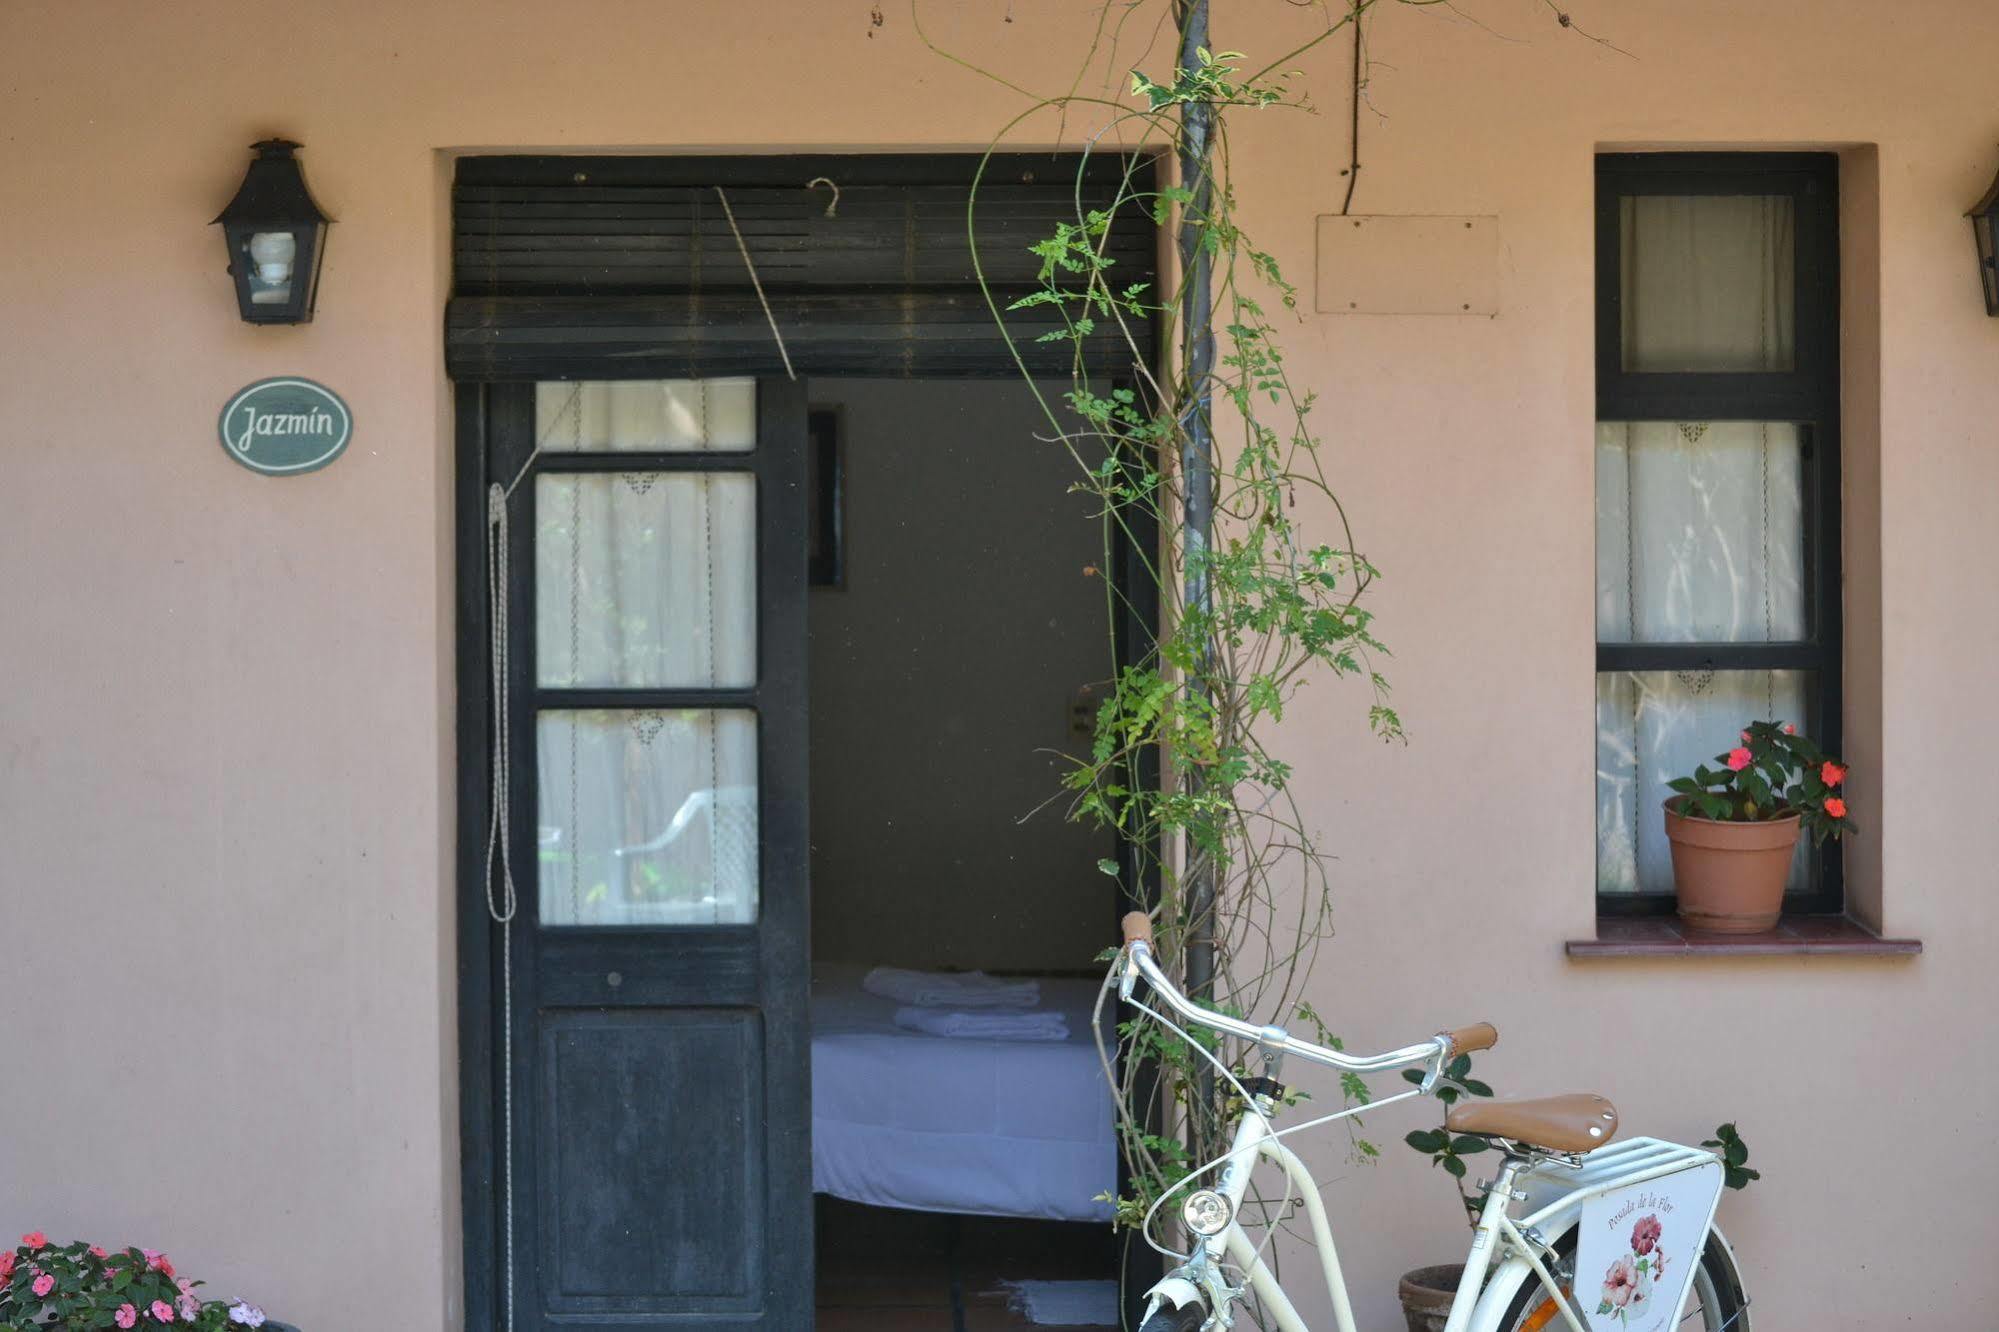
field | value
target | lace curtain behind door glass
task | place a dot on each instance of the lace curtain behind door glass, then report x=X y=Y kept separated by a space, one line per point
x=646 y=580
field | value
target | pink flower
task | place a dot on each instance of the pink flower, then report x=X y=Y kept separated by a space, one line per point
x=1835 y=807
x=1620 y=1283
x=1645 y=1235
x=163 y=1311
x=126 y=1316
x=96 y=1252
x=159 y=1262
x=1790 y=729
x=190 y=1307
x=6 y=1264
x=43 y=1285
x=1745 y=737
x=33 y=1240
x=1738 y=759
x=1831 y=773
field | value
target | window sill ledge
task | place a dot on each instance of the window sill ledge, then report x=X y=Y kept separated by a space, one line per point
x=1664 y=936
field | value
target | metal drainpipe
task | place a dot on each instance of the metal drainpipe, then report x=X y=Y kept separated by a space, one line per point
x=1197 y=462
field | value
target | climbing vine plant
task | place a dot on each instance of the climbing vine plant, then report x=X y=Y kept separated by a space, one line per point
x=1262 y=598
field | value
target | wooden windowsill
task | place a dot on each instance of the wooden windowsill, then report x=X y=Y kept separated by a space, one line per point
x=1664 y=936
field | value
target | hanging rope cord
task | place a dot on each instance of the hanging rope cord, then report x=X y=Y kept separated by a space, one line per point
x=502 y=896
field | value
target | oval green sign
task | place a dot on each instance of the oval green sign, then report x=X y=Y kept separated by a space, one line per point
x=284 y=426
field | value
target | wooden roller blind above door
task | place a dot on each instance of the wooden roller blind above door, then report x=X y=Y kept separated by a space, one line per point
x=563 y=266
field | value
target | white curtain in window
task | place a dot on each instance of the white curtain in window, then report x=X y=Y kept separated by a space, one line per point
x=1699 y=524
x=1708 y=282
x=646 y=580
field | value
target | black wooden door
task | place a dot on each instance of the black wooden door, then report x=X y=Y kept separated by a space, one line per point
x=656 y=570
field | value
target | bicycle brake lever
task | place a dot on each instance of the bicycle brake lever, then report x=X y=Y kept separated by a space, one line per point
x=1435 y=1073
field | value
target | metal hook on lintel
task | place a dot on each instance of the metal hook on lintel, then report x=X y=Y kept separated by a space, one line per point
x=832 y=209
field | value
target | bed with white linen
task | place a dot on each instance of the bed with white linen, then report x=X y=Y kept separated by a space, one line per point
x=946 y=1124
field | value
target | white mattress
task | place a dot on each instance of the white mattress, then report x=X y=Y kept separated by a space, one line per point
x=936 y=1124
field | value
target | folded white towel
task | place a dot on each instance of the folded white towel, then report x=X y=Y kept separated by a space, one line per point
x=951 y=989
x=986 y=1026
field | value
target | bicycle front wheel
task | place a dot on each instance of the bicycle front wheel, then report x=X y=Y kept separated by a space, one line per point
x=1714 y=1298
x=1188 y=1319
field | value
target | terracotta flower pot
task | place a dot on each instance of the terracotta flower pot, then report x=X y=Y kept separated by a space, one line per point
x=1427 y=1293
x=1730 y=876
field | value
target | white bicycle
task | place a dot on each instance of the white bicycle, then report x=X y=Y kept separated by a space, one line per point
x=1564 y=1204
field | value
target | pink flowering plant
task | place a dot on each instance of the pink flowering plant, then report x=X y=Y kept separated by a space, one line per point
x=1772 y=774
x=82 y=1287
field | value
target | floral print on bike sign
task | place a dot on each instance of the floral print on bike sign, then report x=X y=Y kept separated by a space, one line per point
x=1638 y=1249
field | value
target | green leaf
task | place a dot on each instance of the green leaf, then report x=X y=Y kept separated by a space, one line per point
x=1427 y=1140
x=1452 y=1166
x=1109 y=867
x=1469 y=1146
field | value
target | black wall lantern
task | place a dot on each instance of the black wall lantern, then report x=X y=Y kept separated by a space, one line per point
x=1984 y=217
x=276 y=236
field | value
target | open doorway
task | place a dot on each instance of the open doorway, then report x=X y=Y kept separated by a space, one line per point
x=638 y=750
x=962 y=1125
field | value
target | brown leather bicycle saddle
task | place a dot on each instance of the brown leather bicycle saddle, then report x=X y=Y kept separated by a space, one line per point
x=1577 y=1122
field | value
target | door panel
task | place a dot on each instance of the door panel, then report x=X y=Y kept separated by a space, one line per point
x=648 y=1110
x=660 y=1056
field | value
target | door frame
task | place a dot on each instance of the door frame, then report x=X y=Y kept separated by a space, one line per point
x=480 y=1070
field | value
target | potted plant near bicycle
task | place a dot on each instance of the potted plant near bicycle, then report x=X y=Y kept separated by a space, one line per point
x=1734 y=827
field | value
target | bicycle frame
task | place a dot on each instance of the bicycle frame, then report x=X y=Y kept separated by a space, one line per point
x=1505 y=1251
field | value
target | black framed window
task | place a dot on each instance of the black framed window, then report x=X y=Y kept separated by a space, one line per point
x=1717 y=486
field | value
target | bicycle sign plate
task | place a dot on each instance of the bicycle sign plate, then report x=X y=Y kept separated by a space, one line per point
x=1638 y=1247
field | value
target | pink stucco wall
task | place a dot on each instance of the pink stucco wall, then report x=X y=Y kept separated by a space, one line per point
x=225 y=701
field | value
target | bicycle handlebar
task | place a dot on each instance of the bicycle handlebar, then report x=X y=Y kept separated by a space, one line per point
x=1435 y=1052
x=1478 y=1036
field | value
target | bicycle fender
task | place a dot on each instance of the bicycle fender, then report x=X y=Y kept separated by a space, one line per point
x=1177 y=1291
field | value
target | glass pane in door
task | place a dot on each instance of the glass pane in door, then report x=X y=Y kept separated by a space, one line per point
x=648 y=817
x=645 y=580
x=647 y=416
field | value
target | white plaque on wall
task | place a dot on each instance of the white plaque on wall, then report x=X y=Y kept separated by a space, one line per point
x=1384 y=265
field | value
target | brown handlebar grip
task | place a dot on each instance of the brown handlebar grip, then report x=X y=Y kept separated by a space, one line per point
x=1137 y=928
x=1478 y=1036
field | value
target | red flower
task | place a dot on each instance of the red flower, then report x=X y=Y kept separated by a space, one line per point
x=1738 y=759
x=34 y=1239
x=1790 y=729
x=1835 y=807
x=6 y=1264
x=1832 y=774
x=1644 y=1235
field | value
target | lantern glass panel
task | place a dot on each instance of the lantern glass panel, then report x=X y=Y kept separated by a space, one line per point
x=1982 y=227
x=273 y=256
